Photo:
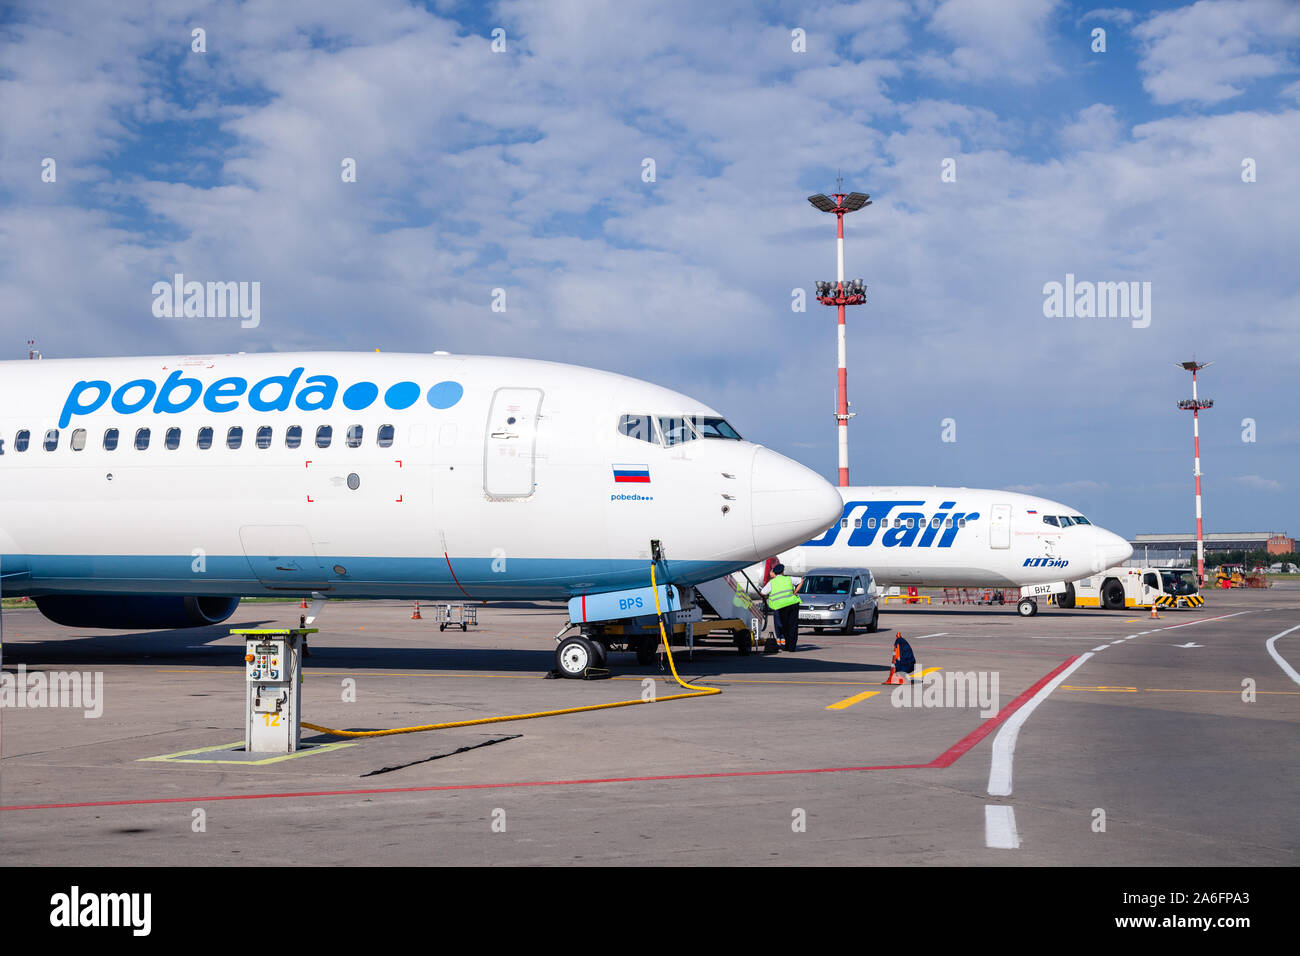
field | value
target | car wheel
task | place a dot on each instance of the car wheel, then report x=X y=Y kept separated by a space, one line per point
x=850 y=624
x=874 y=624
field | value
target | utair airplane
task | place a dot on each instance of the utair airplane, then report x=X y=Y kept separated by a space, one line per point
x=142 y=493
x=960 y=537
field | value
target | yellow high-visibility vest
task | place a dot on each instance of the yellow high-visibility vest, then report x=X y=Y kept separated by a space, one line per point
x=782 y=593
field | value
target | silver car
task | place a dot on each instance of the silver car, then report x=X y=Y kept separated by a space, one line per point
x=838 y=597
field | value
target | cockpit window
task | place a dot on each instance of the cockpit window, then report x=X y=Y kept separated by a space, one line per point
x=1080 y=519
x=676 y=430
x=715 y=428
x=637 y=426
x=1065 y=522
x=1051 y=519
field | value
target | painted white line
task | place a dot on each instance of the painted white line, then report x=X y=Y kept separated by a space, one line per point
x=1290 y=671
x=1004 y=744
x=1102 y=648
x=1000 y=827
x=924 y=636
x=1120 y=641
x=1206 y=620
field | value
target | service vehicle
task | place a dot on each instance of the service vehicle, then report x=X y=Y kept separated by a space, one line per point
x=840 y=598
x=1118 y=588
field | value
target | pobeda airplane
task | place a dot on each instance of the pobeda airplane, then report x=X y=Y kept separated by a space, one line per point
x=154 y=492
x=961 y=537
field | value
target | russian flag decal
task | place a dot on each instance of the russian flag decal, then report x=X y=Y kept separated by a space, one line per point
x=635 y=473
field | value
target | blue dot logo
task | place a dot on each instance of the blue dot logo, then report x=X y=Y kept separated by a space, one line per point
x=445 y=394
x=361 y=395
x=402 y=395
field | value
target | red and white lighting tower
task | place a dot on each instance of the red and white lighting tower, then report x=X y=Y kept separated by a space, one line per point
x=839 y=295
x=1195 y=404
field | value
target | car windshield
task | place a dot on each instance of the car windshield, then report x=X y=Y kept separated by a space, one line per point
x=825 y=584
x=1179 y=582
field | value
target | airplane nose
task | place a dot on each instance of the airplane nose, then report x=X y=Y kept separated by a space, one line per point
x=790 y=504
x=1108 y=550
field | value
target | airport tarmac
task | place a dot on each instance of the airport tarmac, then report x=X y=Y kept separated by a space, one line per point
x=1121 y=741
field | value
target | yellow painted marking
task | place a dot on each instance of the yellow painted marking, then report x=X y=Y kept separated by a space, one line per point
x=729 y=680
x=315 y=749
x=929 y=670
x=1103 y=690
x=1133 y=620
x=848 y=702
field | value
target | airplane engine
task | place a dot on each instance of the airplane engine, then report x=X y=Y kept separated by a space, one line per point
x=144 y=612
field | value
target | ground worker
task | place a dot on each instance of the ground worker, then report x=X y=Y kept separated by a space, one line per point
x=784 y=604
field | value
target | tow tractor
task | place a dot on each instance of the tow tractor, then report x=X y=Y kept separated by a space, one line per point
x=1118 y=588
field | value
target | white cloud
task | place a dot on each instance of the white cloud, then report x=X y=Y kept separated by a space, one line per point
x=1212 y=50
x=1257 y=483
x=1007 y=41
x=1110 y=14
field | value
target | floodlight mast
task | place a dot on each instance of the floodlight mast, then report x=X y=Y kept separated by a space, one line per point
x=840 y=296
x=1194 y=406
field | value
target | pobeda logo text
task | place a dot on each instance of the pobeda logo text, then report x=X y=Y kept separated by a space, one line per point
x=75 y=908
x=910 y=528
x=272 y=394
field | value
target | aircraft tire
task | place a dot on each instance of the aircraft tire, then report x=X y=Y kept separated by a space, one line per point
x=1027 y=607
x=1066 y=598
x=574 y=655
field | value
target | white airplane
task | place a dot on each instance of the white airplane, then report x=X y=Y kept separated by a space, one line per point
x=143 y=493
x=959 y=537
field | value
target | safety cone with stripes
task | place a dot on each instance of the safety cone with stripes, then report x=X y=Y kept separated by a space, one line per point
x=416 y=616
x=303 y=605
x=895 y=675
x=1154 y=615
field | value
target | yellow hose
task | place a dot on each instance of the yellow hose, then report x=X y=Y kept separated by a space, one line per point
x=695 y=692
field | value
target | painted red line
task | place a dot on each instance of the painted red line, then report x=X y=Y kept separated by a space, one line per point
x=945 y=759
x=453 y=574
x=950 y=756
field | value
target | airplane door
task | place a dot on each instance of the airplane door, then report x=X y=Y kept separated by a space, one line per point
x=1000 y=527
x=510 y=449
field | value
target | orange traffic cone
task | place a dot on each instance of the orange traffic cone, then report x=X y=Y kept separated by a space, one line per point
x=303 y=605
x=1154 y=615
x=416 y=616
x=894 y=676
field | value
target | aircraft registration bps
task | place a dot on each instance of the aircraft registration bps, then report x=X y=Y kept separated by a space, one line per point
x=154 y=492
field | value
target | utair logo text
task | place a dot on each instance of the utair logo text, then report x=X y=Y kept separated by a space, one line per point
x=275 y=393
x=901 y=529
x=1046 y=563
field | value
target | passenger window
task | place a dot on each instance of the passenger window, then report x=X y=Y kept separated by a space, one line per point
x=78 y=441
x=323 y=436
x=857 y=522
x=871 y=522
x=354 y=435
x=264 y=437
x=52 y=439
x=235 y=437
x=947 y=523
x=22 y=440
x=205 y=437
x=898 y=522
x=676 y=430
x=172 y=439
x=909 y=523
x=844 y=522
x=293 y=436
x=141 y=439
x=934 y=522
x=638 y=427
x=961 y=522
x=386 y=433
x=110 y=439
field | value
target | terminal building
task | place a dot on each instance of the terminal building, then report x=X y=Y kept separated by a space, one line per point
x=1179 y=549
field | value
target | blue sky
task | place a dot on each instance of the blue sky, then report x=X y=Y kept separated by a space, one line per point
x=522 y=170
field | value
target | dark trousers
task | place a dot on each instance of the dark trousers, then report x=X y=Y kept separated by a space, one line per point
x=787 y=625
